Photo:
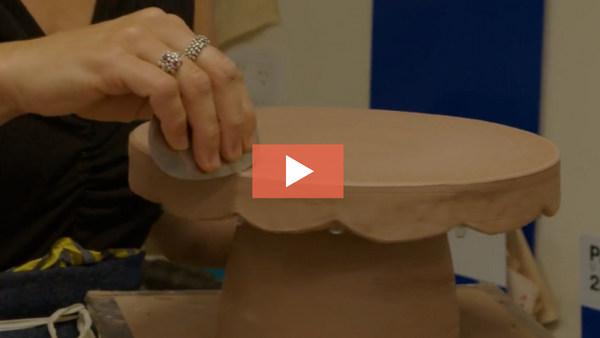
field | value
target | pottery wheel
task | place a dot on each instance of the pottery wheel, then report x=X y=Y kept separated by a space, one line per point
x=408 y=179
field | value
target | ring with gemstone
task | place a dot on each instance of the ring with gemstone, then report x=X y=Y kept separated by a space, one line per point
x=170 y=62
x=195 y=48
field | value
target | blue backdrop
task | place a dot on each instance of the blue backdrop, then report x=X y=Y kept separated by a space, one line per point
x=467 y=58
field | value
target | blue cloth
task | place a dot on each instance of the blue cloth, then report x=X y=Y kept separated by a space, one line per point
x=41 y=293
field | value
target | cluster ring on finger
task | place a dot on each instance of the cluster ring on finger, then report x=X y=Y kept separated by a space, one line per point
x=170 y=62
x=195 y=48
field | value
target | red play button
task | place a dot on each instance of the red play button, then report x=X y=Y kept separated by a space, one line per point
x=298 y=171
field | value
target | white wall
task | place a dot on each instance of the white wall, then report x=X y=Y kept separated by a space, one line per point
x=327 y=50
x=571 y=116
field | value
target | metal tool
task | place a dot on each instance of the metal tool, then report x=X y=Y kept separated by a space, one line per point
x=181 y=164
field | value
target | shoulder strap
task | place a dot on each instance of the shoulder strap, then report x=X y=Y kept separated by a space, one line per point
x=111 y=9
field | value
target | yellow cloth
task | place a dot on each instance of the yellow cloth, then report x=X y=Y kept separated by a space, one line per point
x=66 y=252
x=236 y=18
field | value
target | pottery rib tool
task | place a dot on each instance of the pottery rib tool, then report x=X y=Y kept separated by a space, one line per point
x=181 y=164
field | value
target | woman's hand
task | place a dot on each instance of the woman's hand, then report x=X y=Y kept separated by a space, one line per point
x=110 y=71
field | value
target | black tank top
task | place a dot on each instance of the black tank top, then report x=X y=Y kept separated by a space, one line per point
x=67 y=176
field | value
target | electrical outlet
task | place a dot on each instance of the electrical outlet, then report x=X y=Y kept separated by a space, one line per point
x=263 y=73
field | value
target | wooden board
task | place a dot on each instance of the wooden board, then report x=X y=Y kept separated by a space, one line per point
x=152 y=314
x=485 y=313
x=523 y=261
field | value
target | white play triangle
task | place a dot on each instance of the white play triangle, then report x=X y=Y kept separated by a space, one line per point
x=295 y=171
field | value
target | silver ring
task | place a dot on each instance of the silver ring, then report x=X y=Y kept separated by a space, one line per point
x=170 y=62
x=195 y=48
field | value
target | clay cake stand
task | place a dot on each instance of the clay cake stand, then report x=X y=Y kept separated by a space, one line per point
x=377 y=262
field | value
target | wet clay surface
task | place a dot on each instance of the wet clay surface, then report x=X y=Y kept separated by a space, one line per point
x=390 y=148
x=484 y=314
x=407 y=176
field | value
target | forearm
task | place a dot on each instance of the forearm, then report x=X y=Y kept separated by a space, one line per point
x=8 y=106
x=199 y=243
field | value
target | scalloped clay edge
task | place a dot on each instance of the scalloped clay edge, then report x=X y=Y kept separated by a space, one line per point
x=379 y=213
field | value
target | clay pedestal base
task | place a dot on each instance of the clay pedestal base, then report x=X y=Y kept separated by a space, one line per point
x=322 y=285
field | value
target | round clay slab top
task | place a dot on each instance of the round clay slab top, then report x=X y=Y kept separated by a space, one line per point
x=407 y=176
x=389 y=148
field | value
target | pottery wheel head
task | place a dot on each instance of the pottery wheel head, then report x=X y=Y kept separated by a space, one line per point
x=181 y=164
